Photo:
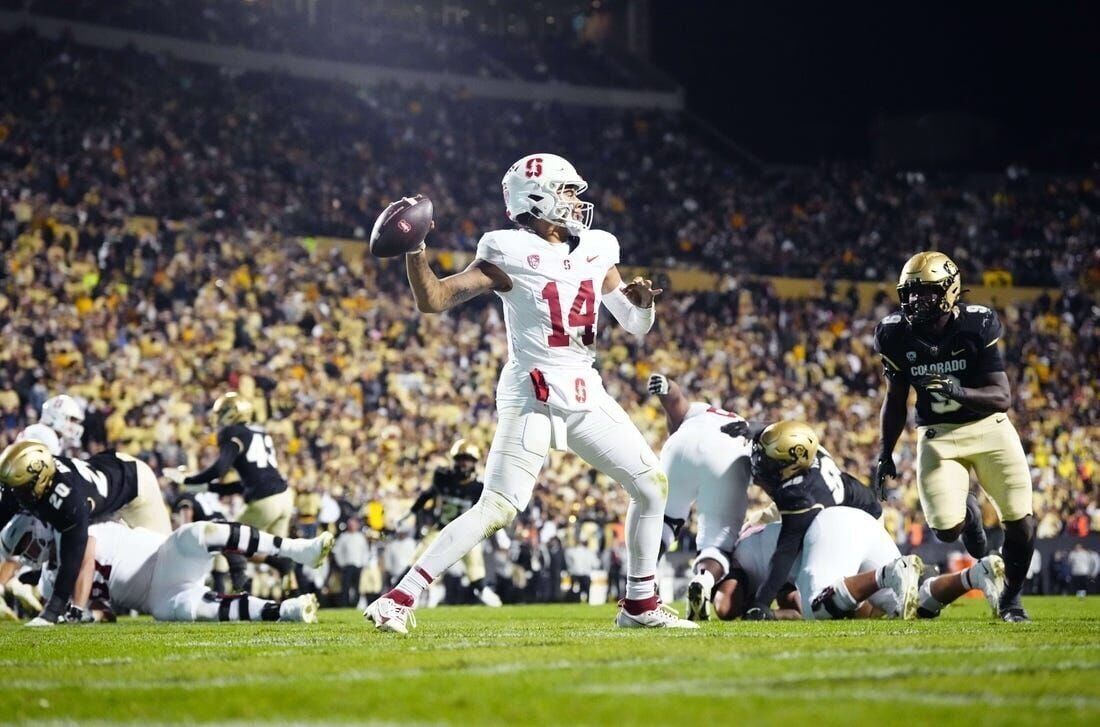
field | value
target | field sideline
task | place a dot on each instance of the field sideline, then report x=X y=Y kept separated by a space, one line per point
x=563 y=665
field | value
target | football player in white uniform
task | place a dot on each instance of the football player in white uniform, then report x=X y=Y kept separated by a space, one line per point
x=60 y=427
x=851 y=568
x=707 y=468
x=552 y=273
x=138 y=569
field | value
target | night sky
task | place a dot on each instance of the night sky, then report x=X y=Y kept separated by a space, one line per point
x=800 y=82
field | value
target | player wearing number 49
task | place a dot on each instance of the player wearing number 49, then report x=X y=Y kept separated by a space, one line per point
x=948 y=351
x=69 y=494
x=247 y=448
x=552 y=273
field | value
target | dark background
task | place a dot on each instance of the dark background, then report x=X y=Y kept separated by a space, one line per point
x=799 y=82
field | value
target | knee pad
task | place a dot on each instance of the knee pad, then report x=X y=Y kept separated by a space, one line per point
x=715 y=555
x=495 y=511
x=834 y=601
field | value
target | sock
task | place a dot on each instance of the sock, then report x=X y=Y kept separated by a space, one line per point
x=1017 y=550
x=835 y=601
x=880 y=576
x=639 y=589
x=240 y=607
x=237 y=538
x=965 y=578
x=477 y=585
x=927 y=602
x=411 y=585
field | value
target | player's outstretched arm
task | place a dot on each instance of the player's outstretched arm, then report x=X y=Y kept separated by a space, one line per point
x=74 y=542
x=227 y=453
x=672 y=399
x=631 y=305
x=435 y=295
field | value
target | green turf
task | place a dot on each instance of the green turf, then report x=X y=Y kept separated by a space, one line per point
x=563 y=665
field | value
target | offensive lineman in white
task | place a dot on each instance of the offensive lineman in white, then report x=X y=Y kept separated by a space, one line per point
x=851 y=567
x=552 y=274
x=704 y=466
x=141 y=570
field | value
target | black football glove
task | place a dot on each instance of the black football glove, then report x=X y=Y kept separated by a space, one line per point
x=759 y=613
x=884 y=468
x=944 y=386
x=736 y=428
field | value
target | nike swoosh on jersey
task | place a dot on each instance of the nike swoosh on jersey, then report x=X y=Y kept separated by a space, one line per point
x=956 y=353
x=590 y=259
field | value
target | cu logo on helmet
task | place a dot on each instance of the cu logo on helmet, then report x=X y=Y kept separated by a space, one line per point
x=534 y=167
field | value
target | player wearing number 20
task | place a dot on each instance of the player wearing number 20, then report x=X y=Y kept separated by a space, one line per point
x=552 y=274
x=948 y=351
x=69 y=494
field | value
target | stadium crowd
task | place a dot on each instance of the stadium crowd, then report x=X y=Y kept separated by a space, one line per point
x=148 y=320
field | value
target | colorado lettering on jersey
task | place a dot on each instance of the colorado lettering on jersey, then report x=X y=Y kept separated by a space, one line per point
x=938 y=367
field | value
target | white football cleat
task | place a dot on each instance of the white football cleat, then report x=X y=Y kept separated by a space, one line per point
x=988 y=574
x=316 y=551
x=489 y=597
x=662 y=617
x=903 y=578
x=302 y=609
x=389 y=615
x=698 y=597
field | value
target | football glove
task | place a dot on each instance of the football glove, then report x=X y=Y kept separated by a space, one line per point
x=77 y=615
x=884 y=468
x=944 y=386
x=175 y=475
x=759 y=613
x=658 y=385
x=736 y=428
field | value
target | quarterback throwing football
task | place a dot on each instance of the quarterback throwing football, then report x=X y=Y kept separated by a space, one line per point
x=552 y=273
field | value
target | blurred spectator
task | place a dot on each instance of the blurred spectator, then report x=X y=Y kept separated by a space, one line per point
x=351 y=553
x=1083 y=567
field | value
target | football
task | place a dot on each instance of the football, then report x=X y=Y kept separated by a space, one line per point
x=401 y=227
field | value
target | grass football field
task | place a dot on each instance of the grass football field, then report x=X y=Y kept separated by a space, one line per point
x=562 y=665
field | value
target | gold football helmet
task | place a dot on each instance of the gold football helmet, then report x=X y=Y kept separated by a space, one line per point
x=27 y=467
x=231 y=408
x=929 y=287
x=465 y=448
x=783 y=450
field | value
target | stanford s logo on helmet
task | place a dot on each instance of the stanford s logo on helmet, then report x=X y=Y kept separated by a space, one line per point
x=538 y=185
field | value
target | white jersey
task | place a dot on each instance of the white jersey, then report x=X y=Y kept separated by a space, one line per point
x=551 y=314
x=711 y=469
x=43 y=434
x=125 y=561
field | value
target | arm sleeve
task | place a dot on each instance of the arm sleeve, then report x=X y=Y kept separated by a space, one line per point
x=229 y=451
x=787 y=549
x=635 y=320
x=890 y=367
x=70 y=558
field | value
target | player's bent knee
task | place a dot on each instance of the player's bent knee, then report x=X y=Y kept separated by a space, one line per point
x=650 y=489
x=496 y=509
x=949 y=535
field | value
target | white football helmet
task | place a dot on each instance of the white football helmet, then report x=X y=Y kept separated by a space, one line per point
x=27 y=538
x=41 y=433
x=62 y=414
x=547 y=186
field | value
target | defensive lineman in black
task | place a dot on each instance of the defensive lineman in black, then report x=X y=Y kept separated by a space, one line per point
x=947 y=350
x=802 y=480
x=453 y=491
x=248 y=449
x=69 y=495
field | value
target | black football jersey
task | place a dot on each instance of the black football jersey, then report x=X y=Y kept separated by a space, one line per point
x=966 y=351
x=255 y=462
x=452 y=496
x=825 y=485
x=85 y=491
